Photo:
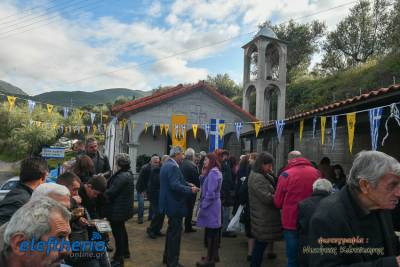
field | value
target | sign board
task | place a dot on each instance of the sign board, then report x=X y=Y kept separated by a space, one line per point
x=53 y=152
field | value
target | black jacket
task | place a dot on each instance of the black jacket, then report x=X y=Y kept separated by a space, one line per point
x=340 y=216
x=307 y=208
x=143 y=180
x=190 y=172
x=101 y=163
x=153 y=188
x=228 y=185
x=14 y=200
x=119 y=193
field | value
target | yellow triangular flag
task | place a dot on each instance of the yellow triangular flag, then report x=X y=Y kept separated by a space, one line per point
x=105 y=127
x=323 y=123
x=54 y=126
x=83 y=129
x=194 y=127
x=351 y=126
x=166 y=127
x=121 y=124
x=221 y=128
x=49 y=108
x=133 y=125
x=124 y=122
x=161 y=128
x=105 y=117
x=301 y=130
x=11 y=102
x=94 y=128
x=257 y=127
x=80 y=114
x=146 y=125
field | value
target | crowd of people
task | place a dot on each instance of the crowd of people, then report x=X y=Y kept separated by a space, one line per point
x=324 y=217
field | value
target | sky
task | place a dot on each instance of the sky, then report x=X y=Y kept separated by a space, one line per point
x=88 y=45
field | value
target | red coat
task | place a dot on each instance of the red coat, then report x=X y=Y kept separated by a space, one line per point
x=294 y=185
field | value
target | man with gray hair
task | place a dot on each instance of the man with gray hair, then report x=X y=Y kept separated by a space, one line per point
x=321 y=189
x=39 y=221
x=191 y=175
x=173 y=194
x=356 y=222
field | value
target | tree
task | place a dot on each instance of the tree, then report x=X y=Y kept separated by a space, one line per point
x=225 y=85
x=358 y=37
x=394 y=28
x=121 y=100
x=303 y=41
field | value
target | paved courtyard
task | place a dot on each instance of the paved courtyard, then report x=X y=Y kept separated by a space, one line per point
x=148 y=252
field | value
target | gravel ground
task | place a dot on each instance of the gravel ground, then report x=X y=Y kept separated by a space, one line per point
x=148 y=252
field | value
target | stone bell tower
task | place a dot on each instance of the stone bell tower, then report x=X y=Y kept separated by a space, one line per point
x=265 y=74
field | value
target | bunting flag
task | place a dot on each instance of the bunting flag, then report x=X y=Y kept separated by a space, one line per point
x=133 y=125
x=221 y=130
x=49 y=108
x=54 y=126
x=375 y=115
x=99 y=127
x=78 y=129
x=394 y=114
x=146 y=125
x=92 y=117
x=31 y=106
x=301 y=130
x=154 y=128
x=166 y=128
x=62 y=129
x=161 y=129
x=70 y=128
x=80 y=114
x=194 y=127
x=238 y=128
x=105 y=127
x=66 y=111
x=216 y=141
x=48 y=125
x=334 y=124
x=257 y=127
x=279 y=124
x=88 y=128
x=121 y=124
x=124 y=122
x=94 y=129
x=351 y=126
x=323 y=123
x=11 y=102
x=31 y=122
x=105 y=117
x=207 y=130
x=314 y=127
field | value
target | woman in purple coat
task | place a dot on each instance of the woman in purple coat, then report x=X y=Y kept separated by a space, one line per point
x=210 y=208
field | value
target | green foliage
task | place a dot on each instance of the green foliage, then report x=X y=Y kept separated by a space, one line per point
x=225 y=85
x=358 y=37
x=310 y=91
x=121 y=100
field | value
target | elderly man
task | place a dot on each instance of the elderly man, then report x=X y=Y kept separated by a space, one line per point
x=173 y=195
x=142 y=184
x=42 y=220
x=354 y=226
x=321 y=189
x=33 y=173
x=101 y=163
x=191 y=175
x=294 y=185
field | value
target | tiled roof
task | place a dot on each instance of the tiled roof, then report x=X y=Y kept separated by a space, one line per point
x=344 y=103
x=180 y=89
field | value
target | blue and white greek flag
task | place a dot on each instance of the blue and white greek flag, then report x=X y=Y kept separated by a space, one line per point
x=334 y=124
x=238 y=128
x=207 y=129
x=66 y=111
x=375 y=115
x=31 y=106
x=279 y=124
x=215 y=141
x=92 y=117
x=314 y=125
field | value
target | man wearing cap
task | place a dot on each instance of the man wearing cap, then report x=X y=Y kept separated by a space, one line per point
x=174 y=192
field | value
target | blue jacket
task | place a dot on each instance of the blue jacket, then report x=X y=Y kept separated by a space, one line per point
x=173 y=190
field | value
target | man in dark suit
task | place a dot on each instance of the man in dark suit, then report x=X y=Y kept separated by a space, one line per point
x=191 y=175
x=354 y=226
x=173 y=194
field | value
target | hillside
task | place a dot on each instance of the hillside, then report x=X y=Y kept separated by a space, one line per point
x=311 y=92
x=8 y=88
x=80 y=98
